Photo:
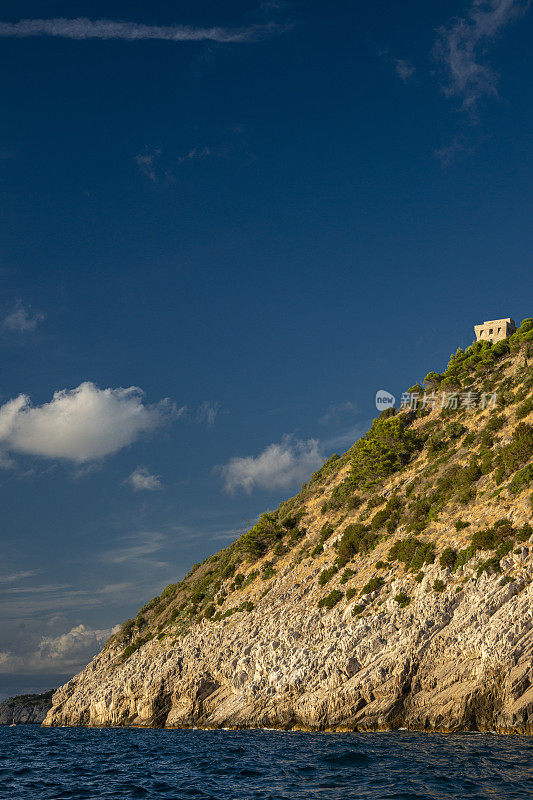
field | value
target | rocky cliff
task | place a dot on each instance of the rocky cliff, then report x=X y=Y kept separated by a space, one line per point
x=395 y=590
x=25 y=709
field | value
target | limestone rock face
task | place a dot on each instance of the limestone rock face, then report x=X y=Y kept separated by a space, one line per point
x=450 y=661
x=25 y=711
x=319 y=618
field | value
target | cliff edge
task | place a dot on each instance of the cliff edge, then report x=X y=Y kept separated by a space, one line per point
x=395 y=590
x=25 y=709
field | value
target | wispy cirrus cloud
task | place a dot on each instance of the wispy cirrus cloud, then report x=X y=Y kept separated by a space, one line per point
x=448 y=153
x=143 y=480
x=84 y=28
x=147 y=164
x=22 y=319
x=207 y=413
x=16 y=576
x=164 y=167
x=339 y=413
x=136 y=547
x=404 y=69
x=462 y=48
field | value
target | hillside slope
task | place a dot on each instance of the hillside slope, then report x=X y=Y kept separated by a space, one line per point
x=393 y=591
x=25 y=709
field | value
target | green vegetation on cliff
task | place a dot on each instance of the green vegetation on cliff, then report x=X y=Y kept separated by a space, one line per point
x=388 y=493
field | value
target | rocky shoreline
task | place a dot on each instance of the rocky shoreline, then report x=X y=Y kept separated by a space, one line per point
x=453 y=663
x=29 y=709
x=362 y=604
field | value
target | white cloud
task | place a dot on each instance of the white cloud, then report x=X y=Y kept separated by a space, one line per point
x=207 y=413
x=81 y=424
x=84 y=28
x=52 y=588
x=79 y=644
x=137 y=547
x=278 y=466
x=404 y=69
x=449 y=152
x=22 y=319
x=146 y=164
x=140 y=479
x=116 y=588
x=15 y=576
x=18 y=603
x=197 y=153
x=273 y=5
x=68 y=651
x=338 y=413
x=462 y=47
x=5 y=461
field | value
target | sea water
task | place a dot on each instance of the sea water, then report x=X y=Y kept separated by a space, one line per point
x=60 y=763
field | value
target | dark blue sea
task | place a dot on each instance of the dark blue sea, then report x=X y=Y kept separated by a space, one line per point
x=57 y=763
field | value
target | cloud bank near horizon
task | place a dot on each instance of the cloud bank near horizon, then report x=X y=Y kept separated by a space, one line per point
x=82 y=28
x=68 y=651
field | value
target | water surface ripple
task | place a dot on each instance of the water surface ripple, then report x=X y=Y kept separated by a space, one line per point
x=95 y=764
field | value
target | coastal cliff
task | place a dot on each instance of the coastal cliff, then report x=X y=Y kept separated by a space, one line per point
x=394 y=591
x=25 y=709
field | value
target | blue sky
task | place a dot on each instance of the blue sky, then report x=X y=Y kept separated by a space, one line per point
x=256 y=215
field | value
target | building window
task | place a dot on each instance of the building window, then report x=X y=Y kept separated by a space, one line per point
x=491 y=331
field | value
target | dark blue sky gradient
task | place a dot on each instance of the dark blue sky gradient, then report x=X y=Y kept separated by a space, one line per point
x=311 y=251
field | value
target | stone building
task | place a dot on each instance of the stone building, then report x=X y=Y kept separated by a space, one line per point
x=494 y=330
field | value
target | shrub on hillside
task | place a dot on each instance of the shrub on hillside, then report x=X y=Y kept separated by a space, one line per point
x=448 y=558
x=344 y=495
x=412 y=553
x=326 y=531
x=327 y=468
x=326 y=575
x=126 y=630
x=454 y=430
x=402 y=599
x=346 y=575
x=259 y=539
x=463 y=556
x=523 y=336
x=385 y=449
x=521 y=480
x=524 y=533
x=490 y=538
x=330 y=599
x=356 y=538
x=373 y=585
x=495 y=422
x=268 y=571
x=524 y=408
x=389 y=516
